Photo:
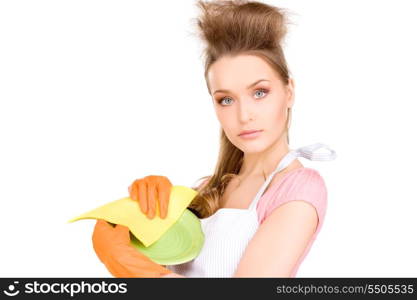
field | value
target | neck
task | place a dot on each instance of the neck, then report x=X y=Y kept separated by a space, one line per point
x=262 y=164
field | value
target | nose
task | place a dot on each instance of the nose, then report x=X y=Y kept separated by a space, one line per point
x=245 y=110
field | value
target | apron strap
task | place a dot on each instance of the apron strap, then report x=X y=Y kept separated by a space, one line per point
x=307 y=152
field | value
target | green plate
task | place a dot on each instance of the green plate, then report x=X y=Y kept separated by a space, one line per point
x=181 y=243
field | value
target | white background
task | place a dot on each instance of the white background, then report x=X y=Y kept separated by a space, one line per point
x=94 y=94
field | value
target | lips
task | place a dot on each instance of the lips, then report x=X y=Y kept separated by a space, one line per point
x=248 y=131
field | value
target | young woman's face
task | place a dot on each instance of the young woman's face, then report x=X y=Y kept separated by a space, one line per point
x=243 y=102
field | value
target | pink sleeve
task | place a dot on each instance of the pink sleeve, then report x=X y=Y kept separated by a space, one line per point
x=301 y=184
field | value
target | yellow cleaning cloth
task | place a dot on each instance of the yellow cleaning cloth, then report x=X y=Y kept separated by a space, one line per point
x=127 y=212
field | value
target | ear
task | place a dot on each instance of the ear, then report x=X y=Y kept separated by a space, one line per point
x=290 y=92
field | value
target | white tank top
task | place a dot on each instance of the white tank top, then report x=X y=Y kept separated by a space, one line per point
x=228 y=231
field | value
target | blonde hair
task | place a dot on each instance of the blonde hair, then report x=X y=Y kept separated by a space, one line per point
x=233 y=28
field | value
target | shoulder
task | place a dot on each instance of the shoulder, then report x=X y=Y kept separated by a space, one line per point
x=304 y=184
x=293 y=219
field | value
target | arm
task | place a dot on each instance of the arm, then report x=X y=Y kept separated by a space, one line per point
x=279 y=241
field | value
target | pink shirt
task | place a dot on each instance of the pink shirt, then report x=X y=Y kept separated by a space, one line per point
x=299 y=184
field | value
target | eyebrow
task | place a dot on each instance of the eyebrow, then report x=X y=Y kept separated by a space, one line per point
x=248 y=87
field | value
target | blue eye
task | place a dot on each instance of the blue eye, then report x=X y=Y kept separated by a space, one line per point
x=262 y=90
x=220 y=101
x=265 y=91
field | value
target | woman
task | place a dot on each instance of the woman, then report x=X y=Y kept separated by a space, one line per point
x=262 y=209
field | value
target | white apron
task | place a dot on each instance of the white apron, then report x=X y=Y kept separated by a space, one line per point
x=228 y=231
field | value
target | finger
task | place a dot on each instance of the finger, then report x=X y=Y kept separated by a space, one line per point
x=164 y=194
x=122 y=233
x=166 y=180
x=152 y=198
x=121 y=229
x=102 y=225
x=133 y=190
x=162 y=183
x=101 y=229
x=143 y=197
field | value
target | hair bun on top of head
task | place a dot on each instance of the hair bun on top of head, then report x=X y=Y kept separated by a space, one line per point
x=227 y=26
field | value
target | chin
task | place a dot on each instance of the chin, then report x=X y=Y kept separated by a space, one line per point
x=252 y=148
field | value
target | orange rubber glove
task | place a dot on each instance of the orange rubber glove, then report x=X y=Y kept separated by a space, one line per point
x=112 y=246
x=150 y=190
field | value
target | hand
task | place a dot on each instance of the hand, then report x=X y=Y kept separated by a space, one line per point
x=150 y=189
x=112 y=246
